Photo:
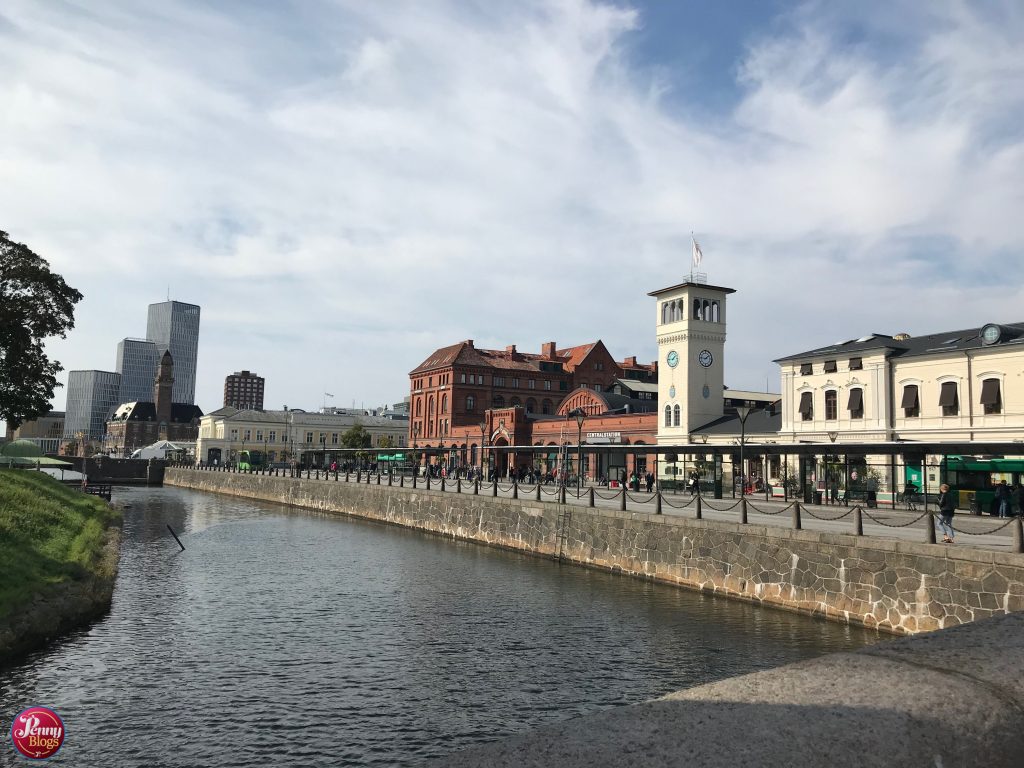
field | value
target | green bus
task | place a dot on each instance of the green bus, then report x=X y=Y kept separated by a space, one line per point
x=250 y=460
x=975 y=479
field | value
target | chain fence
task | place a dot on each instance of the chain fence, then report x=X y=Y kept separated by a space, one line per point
x=894 y=525
x=665 y=500
x=760 y=511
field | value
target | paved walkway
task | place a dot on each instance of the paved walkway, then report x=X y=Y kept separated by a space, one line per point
x=902 y=524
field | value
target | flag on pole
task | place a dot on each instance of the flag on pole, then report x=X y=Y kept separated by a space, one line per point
x=328 y=394
x=698 y=254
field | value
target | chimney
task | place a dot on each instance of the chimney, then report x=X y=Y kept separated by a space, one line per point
x=469 y=343
x=511 y=350
x=630 y=361
x=547 y=350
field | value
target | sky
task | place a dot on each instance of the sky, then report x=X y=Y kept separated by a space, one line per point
x=345 y=186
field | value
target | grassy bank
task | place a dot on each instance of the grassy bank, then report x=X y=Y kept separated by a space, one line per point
x=48 y=534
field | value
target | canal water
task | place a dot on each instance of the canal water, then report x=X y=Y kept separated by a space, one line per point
x=285 y=638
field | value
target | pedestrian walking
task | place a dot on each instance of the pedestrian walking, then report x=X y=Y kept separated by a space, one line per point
x=947 y=508
x=1003 y=497
x=1018 y=498
x=649 y=479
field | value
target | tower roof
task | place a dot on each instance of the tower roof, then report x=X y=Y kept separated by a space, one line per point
x=689 y=284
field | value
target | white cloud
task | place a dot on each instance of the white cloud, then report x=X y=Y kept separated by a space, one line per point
x=345 y=187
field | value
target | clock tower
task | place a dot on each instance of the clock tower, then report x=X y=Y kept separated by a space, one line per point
x=690 y=319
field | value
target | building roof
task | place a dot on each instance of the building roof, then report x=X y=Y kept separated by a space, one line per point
x=689 y=283
x=903 y=345
x=181 y=413
x=638 y=386
x=760 y=422
x=464 y=353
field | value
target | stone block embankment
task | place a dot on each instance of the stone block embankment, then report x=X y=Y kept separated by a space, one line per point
x=896 y=586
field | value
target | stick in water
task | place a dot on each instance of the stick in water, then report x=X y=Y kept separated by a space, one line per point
x=175 y=537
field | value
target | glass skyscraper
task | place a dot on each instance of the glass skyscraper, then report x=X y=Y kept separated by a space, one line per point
x=92 y=397
x=174 y=326
x=136 y=362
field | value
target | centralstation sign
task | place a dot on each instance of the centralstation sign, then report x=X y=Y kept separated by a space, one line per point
x=604 y=438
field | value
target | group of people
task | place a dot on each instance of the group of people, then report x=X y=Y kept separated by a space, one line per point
x=1007 y=499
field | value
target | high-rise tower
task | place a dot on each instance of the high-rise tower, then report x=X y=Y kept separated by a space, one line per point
x=690 y=320
x=174 y=326
x=136 y=362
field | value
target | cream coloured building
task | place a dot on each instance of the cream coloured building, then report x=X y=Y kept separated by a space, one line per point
x=957 y=386
x=289 y=435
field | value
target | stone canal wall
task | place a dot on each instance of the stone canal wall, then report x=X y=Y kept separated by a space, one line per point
x=897 y=586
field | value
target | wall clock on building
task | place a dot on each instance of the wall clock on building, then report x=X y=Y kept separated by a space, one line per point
x=672 y=359
x=705 y=358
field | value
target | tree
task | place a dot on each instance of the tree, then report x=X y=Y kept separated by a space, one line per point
x=35 y=303
x=357 y=437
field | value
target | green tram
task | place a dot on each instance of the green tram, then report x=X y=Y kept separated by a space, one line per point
x=975 y=479
x=250 y=460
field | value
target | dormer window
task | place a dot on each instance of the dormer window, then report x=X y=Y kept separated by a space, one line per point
x=806 y=369
x=856 y=364
x=830 y=366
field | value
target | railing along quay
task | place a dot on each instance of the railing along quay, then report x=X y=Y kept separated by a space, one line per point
x=908 y=525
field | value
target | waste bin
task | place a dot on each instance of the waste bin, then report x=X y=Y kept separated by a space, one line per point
x=809 y=494
x=972 y=504
x=817 y=496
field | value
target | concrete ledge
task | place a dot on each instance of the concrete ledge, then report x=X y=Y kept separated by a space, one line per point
x=950 y=698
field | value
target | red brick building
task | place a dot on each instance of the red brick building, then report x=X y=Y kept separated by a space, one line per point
x=523 y=398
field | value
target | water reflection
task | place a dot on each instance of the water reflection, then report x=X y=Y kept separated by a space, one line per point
x=286 y=638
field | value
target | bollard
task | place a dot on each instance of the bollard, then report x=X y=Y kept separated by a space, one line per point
x=699 y=513
x=515 y=487
x=929 y=535
x=622 y=500
x=401 y=480
x=796 y=515
x=537 y=490
x=428 y=479
x=442 y=483
x=476 y=486
x=414 y=479
x=858 y=521
x=743 y=510
x=1018 y=534
x=378 y=478
x=318 y=474
x=390 y=479
x=494 y=486
x=561 y=496
x=307 y=473
x=657 y=502
x=590 y=497
x=458 y=485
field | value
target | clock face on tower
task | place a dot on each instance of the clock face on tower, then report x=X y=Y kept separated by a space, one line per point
x=672 y=359
x=705 y=358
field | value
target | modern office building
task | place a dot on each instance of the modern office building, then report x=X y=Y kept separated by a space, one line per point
x=174 y=326
x=45 y=431
x=92 y=397
x=136 y=362
x=244 y=390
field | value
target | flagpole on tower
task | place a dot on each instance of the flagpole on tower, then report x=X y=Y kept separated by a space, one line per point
x=698 y=254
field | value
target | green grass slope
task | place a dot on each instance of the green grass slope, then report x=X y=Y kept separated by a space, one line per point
x=48 y=534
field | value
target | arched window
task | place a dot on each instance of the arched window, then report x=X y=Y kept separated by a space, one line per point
x=677 y=312
x=499 y=402
x=664 y=312
x=991 y=397
x=714 y=312
x=676 y=416
x=707 y=310
x=531 y=405
x=831 y=405
x=444 y=403
x=668 y=415
x=516 y=402
x=430 y=406
x=419 y=407
x=470 y=403
x=545 y=407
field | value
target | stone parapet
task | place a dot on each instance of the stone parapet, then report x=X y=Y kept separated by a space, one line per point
x=896 y=586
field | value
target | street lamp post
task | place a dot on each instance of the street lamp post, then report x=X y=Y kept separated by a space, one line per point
x=483 y=442
x=581 y=416
x=743 y=411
